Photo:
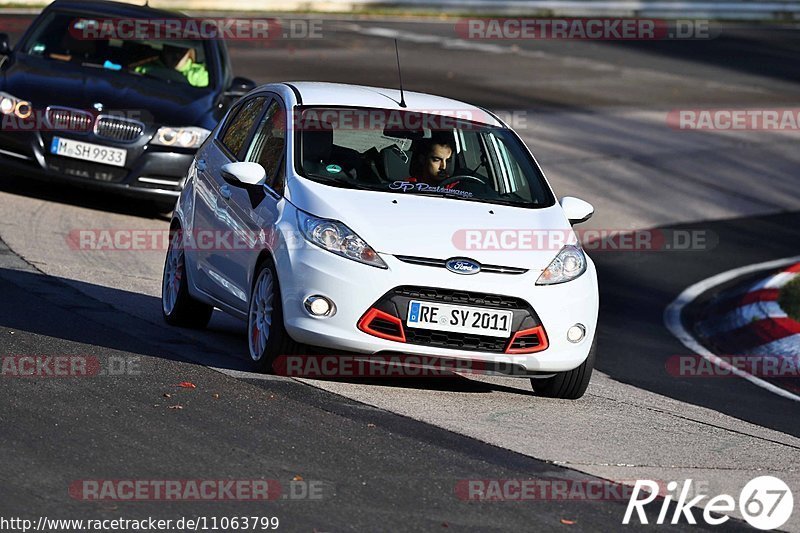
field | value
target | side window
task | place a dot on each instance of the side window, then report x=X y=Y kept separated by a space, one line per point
x=239 y=128
x=269 y=142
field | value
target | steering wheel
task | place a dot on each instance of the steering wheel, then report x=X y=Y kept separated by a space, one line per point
x=463 y=177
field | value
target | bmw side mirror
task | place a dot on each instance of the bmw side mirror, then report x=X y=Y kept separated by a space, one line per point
x=5 y=44
x=240 y=86
x=243 y=173
x=577 y=210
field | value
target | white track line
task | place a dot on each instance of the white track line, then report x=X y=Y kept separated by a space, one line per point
x=672 y=320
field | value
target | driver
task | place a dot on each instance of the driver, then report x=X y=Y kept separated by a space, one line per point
x=430 y=162
x=172 y=59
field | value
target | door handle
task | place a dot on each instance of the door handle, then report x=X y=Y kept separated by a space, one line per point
x=225 y=192
x=201 y=165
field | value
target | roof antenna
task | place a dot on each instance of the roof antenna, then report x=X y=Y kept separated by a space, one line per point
x=400 y=75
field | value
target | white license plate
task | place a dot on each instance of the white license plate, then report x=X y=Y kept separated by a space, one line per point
x=96 y=153
x=459 y=318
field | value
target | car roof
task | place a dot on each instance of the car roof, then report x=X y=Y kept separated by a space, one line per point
x=112 y=8
x=315 y=93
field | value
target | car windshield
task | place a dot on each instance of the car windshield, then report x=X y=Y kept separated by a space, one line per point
x=404 y=152
x=92 y=42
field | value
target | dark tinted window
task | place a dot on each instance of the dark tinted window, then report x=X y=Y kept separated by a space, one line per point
x=269 y=141
x=242 y=124
x=101 y=43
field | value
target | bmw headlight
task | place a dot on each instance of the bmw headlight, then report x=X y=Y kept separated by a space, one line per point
x=189 y=137
x=335 y=237
x=568 y=265
x=11 y=105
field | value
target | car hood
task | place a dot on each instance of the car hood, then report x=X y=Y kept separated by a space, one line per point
x=46 y=82
x=440 y=228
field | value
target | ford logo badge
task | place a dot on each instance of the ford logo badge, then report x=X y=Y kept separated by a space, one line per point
x=462 y=266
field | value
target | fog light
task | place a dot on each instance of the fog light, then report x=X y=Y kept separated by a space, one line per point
x=576 y=333
x=23 y=109
x=319 y=306
x=6 y=106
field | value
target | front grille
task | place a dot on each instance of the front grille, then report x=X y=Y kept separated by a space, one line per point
x=118 y=128
x=395 y=304
x=461 y=297
x=440 y=263
x=69 y=119
x=462 y=341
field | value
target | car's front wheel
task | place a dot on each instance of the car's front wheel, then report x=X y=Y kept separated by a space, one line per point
x=267 y=336
x=177 y=305
x=569 y=385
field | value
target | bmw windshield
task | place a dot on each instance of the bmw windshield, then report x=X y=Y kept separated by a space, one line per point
x=95 y=42
x=412 y=153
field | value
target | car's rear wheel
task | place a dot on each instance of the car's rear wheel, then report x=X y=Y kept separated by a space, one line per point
x=569 y=385
x=267 y=337
x=177 y=305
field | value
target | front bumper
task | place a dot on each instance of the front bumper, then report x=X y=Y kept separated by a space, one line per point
x=150 y=171
x=355 y=288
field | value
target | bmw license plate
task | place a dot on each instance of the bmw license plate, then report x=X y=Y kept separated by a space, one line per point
x=459 y=318
x=96 y=153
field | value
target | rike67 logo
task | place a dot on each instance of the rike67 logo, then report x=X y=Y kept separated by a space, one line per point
x=765 y=502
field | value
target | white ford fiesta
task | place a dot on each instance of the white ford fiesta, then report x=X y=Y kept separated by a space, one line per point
x=363 y=220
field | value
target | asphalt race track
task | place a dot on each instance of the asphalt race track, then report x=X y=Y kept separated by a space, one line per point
x=390 y=453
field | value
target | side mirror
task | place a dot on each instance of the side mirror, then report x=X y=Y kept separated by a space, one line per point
x=243 y=173
x=240 y=86
x=577 y=210
x=5 y=44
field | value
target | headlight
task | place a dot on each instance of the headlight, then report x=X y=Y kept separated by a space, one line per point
x=13 y=105
x=189 y=137
x=568 y=265
x=335 y=237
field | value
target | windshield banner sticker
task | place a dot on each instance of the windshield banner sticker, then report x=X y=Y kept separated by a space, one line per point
x=424 y=187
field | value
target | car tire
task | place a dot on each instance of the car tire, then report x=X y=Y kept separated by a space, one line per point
x=177 y=305
x=267 y=338
x=569 y=385
x=163 y=209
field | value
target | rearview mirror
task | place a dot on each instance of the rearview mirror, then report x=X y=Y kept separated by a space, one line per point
x=577 y=210
x=240 y=86
x=243 y=173
x=5 y=44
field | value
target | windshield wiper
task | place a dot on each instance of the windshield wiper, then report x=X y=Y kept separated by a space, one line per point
x=467 y=198
x=148 y=75
x=338 y=182
x=515 y=196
